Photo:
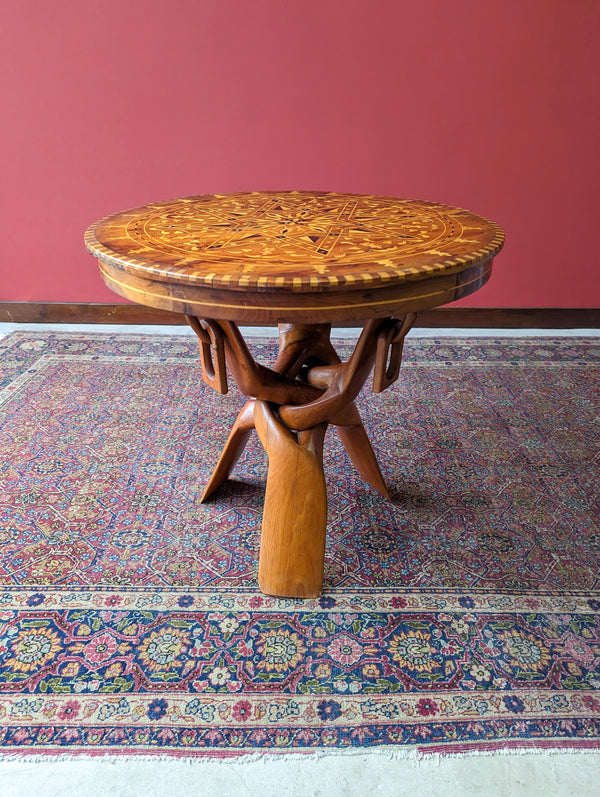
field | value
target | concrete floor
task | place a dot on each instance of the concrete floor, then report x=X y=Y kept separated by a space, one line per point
x=343 y=775
x=335 y=775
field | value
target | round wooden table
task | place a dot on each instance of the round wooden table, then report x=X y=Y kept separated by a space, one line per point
x=302 y=260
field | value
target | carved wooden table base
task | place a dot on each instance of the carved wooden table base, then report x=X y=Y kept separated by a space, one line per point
x=290 y=407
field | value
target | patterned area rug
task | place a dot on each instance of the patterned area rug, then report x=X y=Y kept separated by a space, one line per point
x=463 y=615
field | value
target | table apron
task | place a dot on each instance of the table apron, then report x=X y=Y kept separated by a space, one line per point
x=272 y=307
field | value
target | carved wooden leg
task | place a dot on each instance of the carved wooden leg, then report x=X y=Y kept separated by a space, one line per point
x=358 y=446
x=292 y=545
x=360 y=451
x=236 y=442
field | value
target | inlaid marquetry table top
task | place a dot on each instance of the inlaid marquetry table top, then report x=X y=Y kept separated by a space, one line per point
x=279 y=249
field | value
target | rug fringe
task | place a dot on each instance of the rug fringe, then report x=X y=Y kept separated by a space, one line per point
x=413 y=755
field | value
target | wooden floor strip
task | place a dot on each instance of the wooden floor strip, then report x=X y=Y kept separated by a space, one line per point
x=473 y=317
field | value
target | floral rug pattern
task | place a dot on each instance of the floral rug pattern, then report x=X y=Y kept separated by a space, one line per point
x=462 y=615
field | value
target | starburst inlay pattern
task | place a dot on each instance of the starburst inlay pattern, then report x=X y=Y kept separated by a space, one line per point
x=276 y=239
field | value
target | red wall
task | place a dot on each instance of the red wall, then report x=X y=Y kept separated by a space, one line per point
x=493 y=106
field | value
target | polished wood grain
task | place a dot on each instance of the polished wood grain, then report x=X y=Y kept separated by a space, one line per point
x=303 y=261
x=292 y=544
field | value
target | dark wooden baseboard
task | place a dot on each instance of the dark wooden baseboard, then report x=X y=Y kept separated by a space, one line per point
x=473 y=317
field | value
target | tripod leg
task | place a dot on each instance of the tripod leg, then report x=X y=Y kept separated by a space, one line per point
x=236 y=442
x=292 y=548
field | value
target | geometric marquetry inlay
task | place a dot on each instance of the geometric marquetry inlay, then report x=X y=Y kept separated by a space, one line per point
x=292 y=240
